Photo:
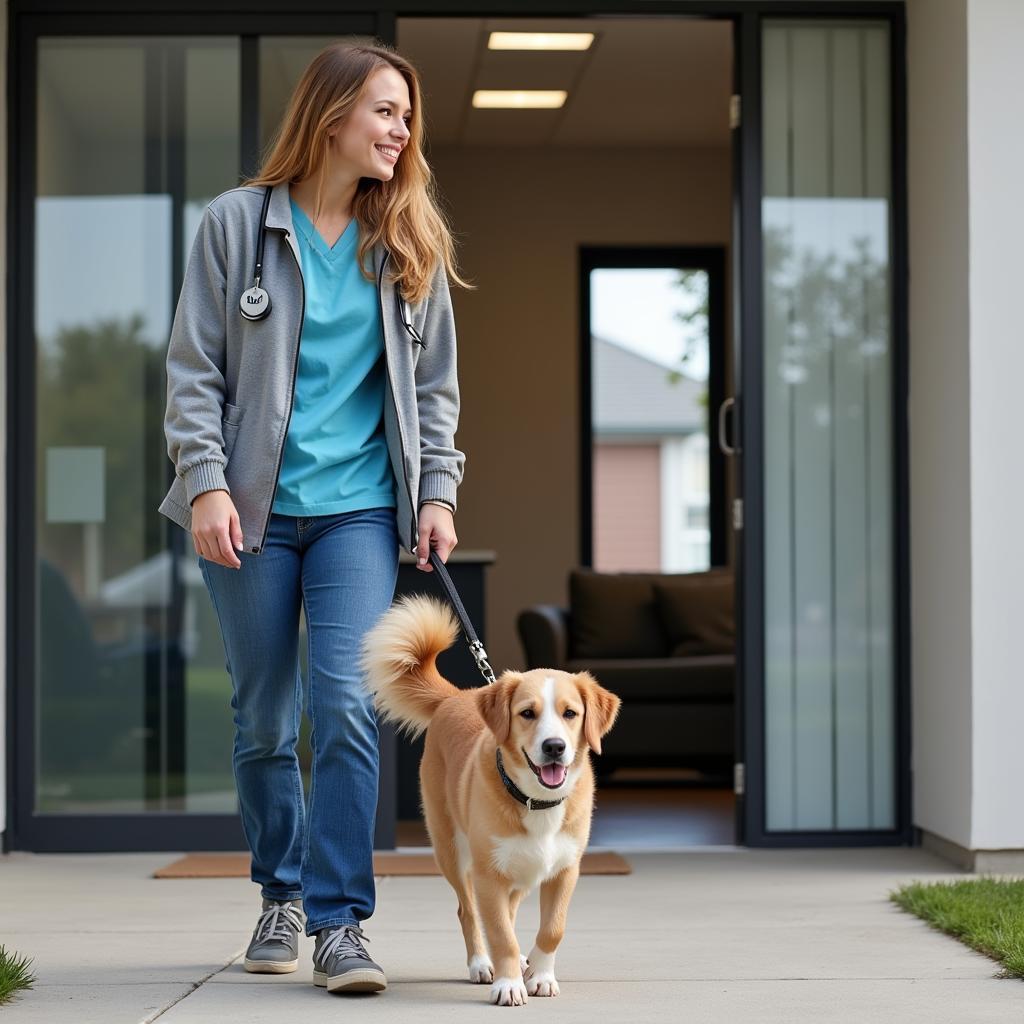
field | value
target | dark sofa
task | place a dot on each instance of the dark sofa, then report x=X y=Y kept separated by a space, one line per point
x=665 y=644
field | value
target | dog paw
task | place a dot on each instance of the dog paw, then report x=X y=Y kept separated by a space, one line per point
x=540 y=973
x=508 y=992
x=481 y=970
x=542 y=983
x=524 y=964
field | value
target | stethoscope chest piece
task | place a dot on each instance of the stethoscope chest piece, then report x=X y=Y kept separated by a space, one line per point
x=254 y=303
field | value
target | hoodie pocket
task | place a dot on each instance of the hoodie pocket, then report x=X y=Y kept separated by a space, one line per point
x=232 y=414
x=229 y=426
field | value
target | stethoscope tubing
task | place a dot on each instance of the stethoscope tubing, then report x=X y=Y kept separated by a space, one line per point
x=255 y=302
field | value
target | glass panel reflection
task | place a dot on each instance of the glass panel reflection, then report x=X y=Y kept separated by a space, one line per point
x=134 y=136
x=828 y=432
x=282 y=61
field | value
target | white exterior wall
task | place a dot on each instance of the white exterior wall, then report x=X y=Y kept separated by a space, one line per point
x=940 y=500
x=3 y=418
x=965 y=157
x=995 y=34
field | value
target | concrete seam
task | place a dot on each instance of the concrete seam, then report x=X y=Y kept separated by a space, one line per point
x=195 y=987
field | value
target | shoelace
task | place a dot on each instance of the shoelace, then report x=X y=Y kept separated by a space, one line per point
x=278 y=922
x=344 y=942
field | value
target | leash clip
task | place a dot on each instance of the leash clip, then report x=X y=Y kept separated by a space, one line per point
x=480 y=656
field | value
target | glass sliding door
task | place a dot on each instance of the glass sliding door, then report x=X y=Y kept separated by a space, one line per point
x=135 y=136
x=829 y=647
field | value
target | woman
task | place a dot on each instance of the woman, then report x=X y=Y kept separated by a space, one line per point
x=312 y=403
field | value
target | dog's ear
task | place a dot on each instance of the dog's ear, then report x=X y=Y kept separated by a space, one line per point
x=494 y=703
x=600 y=706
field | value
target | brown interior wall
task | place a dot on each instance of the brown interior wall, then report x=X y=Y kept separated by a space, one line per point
x=519 y=216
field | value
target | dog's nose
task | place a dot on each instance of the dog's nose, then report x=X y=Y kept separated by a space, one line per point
x=553 y=748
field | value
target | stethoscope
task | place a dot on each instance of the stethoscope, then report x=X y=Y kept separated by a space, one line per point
x=255 y=302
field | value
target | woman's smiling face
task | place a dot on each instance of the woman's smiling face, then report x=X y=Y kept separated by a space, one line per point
x=377 y=130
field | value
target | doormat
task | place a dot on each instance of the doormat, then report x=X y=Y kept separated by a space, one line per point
x=236 y=865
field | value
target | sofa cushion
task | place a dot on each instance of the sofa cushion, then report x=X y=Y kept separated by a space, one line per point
x=614 y=615
x=668 y=680
x=697 y=612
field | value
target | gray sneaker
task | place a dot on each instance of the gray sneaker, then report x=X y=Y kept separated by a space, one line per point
x=274 y=948
x=341 y=964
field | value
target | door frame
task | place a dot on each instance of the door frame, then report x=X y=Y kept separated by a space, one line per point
x=28 y=19
x=749 y=278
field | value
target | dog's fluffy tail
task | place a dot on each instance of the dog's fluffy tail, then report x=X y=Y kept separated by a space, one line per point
x=399 y=656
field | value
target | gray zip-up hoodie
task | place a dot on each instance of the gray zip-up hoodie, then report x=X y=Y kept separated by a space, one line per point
x=231 y=381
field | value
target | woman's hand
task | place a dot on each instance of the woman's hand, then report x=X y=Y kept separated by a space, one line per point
x=215 y=528
x=437 y=530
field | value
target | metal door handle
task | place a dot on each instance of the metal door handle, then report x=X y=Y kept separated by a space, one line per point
x=723 y=410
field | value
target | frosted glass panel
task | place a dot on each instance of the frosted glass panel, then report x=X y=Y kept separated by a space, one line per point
x=829 y=680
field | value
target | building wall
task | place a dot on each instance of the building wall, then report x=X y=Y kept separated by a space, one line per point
x=967 y=484
x=940 y=479
x=685 y=501
x=627 y=507
x=995 y=33
x=519 y=216
x=3 y=416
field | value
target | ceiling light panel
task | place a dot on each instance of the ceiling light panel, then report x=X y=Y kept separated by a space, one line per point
x=540 y=40
x=519 y=99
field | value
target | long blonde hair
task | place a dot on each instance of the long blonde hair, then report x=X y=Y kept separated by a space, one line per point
x=403 y=212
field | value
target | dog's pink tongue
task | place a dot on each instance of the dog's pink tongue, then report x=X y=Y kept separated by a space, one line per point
x=552 y=774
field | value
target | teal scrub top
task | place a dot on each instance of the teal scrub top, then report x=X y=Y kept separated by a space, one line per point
x=336 y=455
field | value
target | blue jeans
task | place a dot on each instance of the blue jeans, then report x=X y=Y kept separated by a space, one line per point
x=342 y=569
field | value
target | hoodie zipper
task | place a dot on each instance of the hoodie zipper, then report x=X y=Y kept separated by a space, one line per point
x=387 y=366
x=403 y=309
x=391 y=386
x=291 y=408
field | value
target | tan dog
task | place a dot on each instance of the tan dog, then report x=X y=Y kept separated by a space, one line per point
x=506 y=784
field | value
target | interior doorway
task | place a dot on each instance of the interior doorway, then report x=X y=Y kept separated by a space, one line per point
x=635 y=160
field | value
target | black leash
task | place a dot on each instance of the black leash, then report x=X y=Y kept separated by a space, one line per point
x=476 y=648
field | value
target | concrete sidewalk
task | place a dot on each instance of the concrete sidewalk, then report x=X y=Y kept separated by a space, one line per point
x=730 y=936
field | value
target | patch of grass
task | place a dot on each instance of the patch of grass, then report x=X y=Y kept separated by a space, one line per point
x=14 y=974
x=985 y=913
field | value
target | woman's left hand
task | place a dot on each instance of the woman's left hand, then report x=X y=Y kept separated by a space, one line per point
x=437 y=530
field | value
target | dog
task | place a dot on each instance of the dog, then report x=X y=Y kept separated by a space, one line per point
x=506 y=785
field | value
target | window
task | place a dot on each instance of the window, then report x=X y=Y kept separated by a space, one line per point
x=653 y=355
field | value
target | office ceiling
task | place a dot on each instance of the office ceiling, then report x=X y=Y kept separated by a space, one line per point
x=650 y=81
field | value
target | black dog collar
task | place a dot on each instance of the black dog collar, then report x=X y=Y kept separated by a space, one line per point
x=514 y=790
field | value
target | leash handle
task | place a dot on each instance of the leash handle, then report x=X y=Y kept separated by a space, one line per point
x=476 y=648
